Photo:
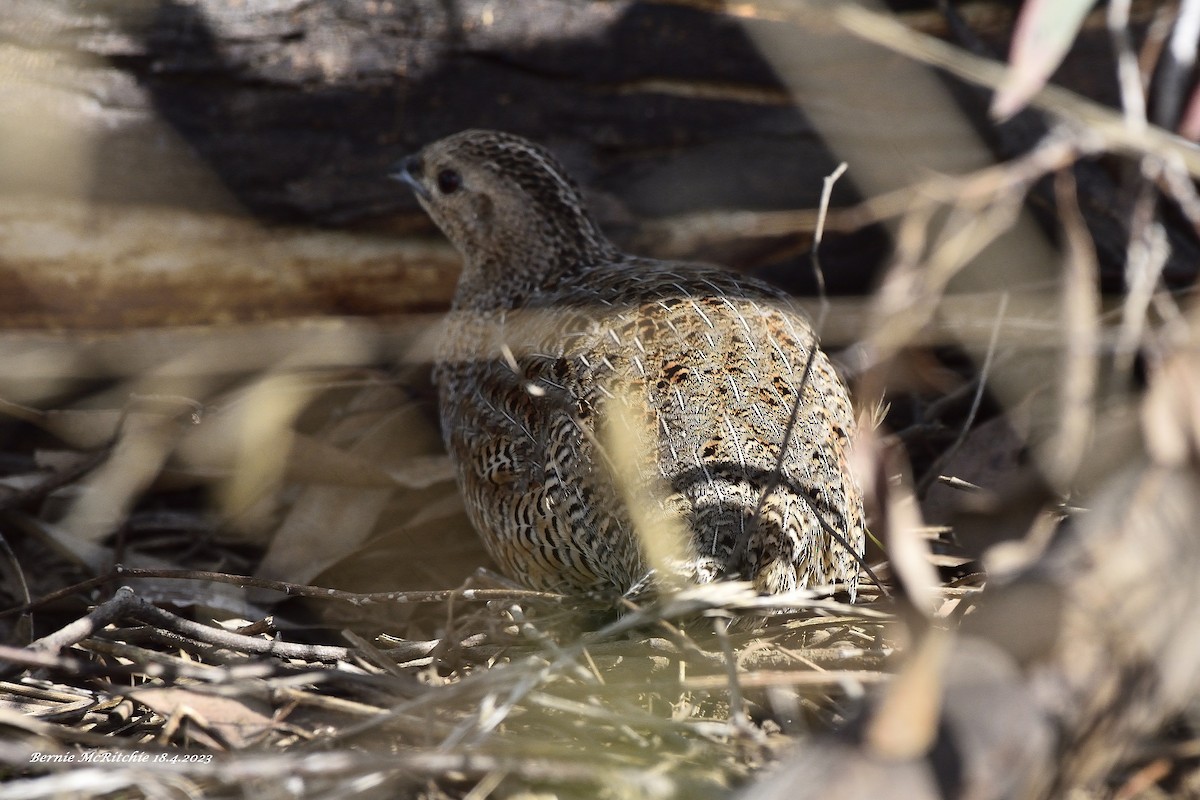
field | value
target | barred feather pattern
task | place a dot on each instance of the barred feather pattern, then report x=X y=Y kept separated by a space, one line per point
x=551 y=322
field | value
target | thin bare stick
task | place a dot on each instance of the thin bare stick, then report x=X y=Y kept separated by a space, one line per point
x=1129 y=77
x=818 y=236
x=126 y=604
x=737 y=703
x=293 y=589
x=1147 y=254
x=934 y=471
x=743 y=541
x=235 y=641
x=121 y=604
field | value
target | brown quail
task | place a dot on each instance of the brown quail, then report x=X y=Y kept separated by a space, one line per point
x=551 y=321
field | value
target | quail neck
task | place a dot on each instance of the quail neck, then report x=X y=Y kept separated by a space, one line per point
x=517 y=219
x=743 y=423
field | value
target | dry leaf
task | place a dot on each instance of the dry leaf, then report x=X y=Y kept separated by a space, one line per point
x=1081 y=321
x=1189 y=126
x=313 y=460
x=899 y=525
x=86 y=429
x=1044 y=33
x=664 y=537
x=328 y=523
x=238 y=722
x=989 y=457
x=905 y=724
x=111 y=489
x=1171 y=412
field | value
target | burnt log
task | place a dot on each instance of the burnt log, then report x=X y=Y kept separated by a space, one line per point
x=293 y=112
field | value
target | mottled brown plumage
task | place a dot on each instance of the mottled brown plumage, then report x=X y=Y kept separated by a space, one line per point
x=551 y=321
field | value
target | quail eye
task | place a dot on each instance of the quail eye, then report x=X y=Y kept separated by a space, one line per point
x=448 y=181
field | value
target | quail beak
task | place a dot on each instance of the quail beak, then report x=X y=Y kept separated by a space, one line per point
x=408 y=170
